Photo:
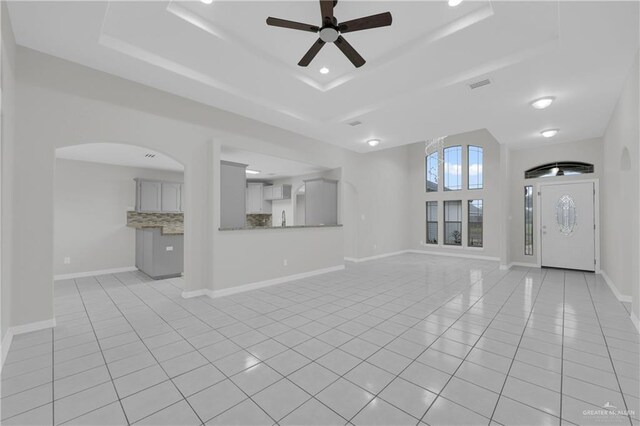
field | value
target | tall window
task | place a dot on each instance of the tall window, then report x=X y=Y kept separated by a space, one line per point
x=528 y=220
x=432 y=222
x=453 y=223
x=475 y=167
x=475 y=223
x=431 y=168
x=453 y=168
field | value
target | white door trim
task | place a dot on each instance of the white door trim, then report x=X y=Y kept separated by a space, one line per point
x=596 y=207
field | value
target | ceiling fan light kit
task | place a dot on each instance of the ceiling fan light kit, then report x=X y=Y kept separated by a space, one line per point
x=331 y=31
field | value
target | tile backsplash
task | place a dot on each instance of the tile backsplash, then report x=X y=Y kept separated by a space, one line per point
x=254 y=220
x=163 y=219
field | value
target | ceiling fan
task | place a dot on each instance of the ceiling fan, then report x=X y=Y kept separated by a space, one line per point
x=331 y=31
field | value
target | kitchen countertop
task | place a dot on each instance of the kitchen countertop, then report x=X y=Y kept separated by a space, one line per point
x=252 y=228
x=164 y=229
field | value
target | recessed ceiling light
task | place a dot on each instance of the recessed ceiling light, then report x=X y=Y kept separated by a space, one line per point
x=549 y=133
x=324 y=70
x=252 y=172
x=373 y=142
x=207 y=1
x=454 y=3
x=542 y=103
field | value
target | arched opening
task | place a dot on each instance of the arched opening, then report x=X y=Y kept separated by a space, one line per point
x=118 y=214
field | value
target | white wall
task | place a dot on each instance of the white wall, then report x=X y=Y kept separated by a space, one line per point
x=588 y=151
x=90 y=214
x=620 y=212
x=7 y=138
x=490 y=194
x=72 y=105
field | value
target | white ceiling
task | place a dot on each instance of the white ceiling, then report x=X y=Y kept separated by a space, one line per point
x=413 y=87
x=119 y=155
x=270 y=168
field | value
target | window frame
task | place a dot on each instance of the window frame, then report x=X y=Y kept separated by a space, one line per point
x=528 y=220
x=444 y=168
x=426 y=172
x=481 y=174
x=427 y=217
x=469 y=222
x=445 y=222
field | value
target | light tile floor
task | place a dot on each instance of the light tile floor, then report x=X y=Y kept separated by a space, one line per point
x=408 y=340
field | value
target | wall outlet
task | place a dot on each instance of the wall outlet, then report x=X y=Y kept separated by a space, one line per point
x=67 y=260
x=285 y=262
x=169 y=248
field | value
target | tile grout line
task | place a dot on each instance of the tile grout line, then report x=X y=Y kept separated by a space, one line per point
x=160 y=365
x=103 y=358
x=513 y=359
x=363 y=360
x=595 y=309
x=423 y=351
x=516 y=286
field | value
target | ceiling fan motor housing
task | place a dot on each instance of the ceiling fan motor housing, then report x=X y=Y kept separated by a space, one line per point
x=329 y=34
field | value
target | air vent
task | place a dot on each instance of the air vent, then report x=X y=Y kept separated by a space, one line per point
x=355 y=123
x=480 y=83
x=149 y=155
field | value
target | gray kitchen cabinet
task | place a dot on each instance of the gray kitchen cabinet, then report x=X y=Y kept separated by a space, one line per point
x=277 y=192
x=256 y=202
x=154 y=196
x=149 y=197
x=232 y=194
x=321 y=202
x=170 y=201
x=158 y=255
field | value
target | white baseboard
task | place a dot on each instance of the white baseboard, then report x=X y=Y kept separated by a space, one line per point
x=94 y=273
x=462 y=255
x=21 y=329
x=635 y=321
x=259 y=284
x=523 y=264
x=621 y=297
x=378 y=256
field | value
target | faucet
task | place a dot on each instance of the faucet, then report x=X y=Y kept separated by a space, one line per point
x=284 y=219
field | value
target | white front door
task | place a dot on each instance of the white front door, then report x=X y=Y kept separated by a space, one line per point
x=568 y=225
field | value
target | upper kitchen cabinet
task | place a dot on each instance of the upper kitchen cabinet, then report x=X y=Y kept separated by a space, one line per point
x=321 y=202
x=277 y=192
x=256 y=198
x=171 y=199
x=158 y=197
x=232 y=194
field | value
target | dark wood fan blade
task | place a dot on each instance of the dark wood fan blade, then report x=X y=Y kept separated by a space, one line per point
x=311 y=53
x=326 y=8
x=277 y=22
x=368 y=22
x=350 y=52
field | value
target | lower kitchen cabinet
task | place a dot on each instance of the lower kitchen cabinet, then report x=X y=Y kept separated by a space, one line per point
x=159 y=255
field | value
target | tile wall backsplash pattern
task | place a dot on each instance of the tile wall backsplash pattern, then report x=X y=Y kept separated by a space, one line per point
x=155 y=219
x=254 y=220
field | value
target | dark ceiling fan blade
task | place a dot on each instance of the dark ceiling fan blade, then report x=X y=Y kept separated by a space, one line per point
x=277 y=22
x=349 y=52
x=326 y=8
x=368 y=22
x=311 y=53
